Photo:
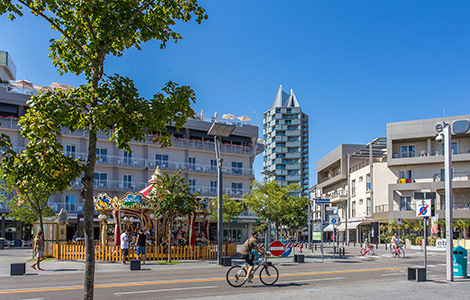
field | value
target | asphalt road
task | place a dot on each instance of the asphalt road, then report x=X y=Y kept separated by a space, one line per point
x=180 y=283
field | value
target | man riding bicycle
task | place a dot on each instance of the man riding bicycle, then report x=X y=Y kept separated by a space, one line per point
x=250 y=244
x=395 y=243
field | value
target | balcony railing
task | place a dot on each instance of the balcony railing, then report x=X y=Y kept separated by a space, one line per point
x=112 y=160
x=177 y=142
x=381 y=208
x=458 y=176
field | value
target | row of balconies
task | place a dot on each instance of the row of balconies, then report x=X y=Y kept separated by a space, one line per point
x=177 y=142
x=135 y=186
x=112 y=160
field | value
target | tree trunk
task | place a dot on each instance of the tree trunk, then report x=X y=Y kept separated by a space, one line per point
x=88 y=214
x=169 y=242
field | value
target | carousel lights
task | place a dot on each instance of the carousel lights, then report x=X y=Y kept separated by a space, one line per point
x=152 y=216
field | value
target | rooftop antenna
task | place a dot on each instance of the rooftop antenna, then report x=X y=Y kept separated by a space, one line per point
x=443 y=112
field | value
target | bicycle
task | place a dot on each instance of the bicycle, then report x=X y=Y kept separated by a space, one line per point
x=397 y=252
x=268 y=274
x=367 y=250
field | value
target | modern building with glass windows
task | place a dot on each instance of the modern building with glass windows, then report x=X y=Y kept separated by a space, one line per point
x=286 y=141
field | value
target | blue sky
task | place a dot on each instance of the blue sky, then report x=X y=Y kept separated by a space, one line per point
x=354 y=65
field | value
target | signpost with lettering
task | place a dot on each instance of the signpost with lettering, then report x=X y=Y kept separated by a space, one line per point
x=322 y=203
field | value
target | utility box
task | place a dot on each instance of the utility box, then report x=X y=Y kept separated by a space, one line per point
x=135 y=265
x=460 y=262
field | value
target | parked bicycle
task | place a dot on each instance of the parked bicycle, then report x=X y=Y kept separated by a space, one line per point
x=268 y=274
x=397 y=252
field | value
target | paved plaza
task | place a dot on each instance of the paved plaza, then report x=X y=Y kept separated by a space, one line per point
x=353 y=277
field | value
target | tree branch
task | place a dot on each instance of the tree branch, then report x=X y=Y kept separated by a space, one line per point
x=75 y=43
x=141 y=9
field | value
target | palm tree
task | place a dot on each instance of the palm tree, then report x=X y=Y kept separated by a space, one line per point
x=392 y=226
x=442 y=227
x=419 y=227
x=461 y=226
x=406 y=224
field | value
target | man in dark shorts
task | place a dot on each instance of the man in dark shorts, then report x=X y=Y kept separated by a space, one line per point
x=250 y=244
x=140 y=245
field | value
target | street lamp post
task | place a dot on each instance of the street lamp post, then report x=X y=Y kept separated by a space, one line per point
x=219 y=131
x=272 y=175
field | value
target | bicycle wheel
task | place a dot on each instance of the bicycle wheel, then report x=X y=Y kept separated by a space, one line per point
x=363 y=251
x=401 y=253
x=236 y=276
x=269 y=275
x=371 y=252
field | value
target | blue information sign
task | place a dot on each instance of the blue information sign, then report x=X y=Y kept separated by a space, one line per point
x=322 y=201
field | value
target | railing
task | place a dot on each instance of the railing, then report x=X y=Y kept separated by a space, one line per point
x=337 y=195
x=113 y=253
x=457 y=176
x=177 y=142
x=381 y=208
x=113 y=160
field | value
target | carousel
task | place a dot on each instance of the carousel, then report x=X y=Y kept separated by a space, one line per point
x=134 y=211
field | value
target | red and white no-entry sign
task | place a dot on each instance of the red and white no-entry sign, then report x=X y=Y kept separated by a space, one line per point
x=276 y=248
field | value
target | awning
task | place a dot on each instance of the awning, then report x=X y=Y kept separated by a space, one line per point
x=342 y=226
x=146 y=190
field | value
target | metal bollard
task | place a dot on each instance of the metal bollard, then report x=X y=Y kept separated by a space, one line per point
x=376 y=246
x=344 y=251
x=385 y=246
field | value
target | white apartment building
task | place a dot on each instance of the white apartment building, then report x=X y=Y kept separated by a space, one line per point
x=383 y=180
x=118 y=171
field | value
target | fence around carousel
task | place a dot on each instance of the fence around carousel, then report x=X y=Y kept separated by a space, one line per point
x=113 y=253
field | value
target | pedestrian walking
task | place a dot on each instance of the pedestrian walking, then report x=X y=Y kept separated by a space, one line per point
x=38 y=250
x=125 y=238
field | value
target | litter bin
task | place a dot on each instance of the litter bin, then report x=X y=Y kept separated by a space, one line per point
x=460 y=262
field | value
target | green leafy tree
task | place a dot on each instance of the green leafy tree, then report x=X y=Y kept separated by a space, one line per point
x=172 y=198
x=39 y=171
x=231 y=208
x=90 y=32
x=419 y=227
x=20 y=211
x=270 y=201
x=296 y=215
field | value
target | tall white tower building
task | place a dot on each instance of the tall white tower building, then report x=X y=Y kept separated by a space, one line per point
x=286 y=141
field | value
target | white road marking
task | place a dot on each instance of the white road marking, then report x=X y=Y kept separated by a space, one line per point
x=316 y=279
x=33 y=299
x=167 y=290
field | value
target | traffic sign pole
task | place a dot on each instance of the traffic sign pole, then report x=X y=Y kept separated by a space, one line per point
x=322 y=213
x=425 y=243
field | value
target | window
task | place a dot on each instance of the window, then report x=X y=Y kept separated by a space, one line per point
x=213 y=165
x=287 y=122
x=353 y=187
x=127 y=181
x=454 y=146
x=237 y=167
x=237 y=188
x=408 y=151
x=292 y=150
x=70 y=203
x=280 y=133
x=443 y=174
x=353 y=211
x=213 y=188
x=405 y=203
x=360 y=179
x=368 y=182
x=127 y=158
x=192 y=162
x=280 y=155
x=192 y=184
x=102 y=154
x=100 y=179
x=161 y=160
x=280 y=167
x=369 y=206
x=405 y=175
x=361 y=201
x=280 y=144
x=70 y=151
